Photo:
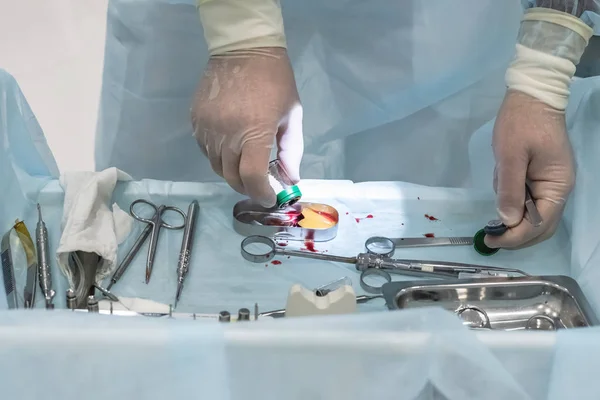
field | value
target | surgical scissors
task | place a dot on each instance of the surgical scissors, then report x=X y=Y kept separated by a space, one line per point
x=155 y=223
x=384 y=246
x=373 y=264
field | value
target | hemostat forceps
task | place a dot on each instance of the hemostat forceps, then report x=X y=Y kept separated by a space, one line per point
x=155 y=223
x=372 y=264
x=384 y=246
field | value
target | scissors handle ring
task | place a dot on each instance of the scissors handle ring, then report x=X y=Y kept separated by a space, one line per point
x=178 y=211
x=258 y=257
x=141 y=219
x=388 y=246
x=373 y=271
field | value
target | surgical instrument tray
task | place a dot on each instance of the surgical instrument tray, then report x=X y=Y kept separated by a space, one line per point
x=284 y=224
x=513 y=303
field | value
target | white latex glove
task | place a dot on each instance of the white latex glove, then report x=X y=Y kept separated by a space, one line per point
x=530 y=142
x=530 y=139
x=247 y=99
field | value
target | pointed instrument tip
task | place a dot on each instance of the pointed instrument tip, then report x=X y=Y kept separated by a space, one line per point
x=39 y=211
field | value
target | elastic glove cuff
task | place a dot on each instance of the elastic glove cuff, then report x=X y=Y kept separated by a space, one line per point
x=241 y=24
x=550 y=44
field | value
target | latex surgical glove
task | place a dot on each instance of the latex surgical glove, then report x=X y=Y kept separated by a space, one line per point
x=530 y=143
x=247 y=98
x=530 y=139
x=246 y=101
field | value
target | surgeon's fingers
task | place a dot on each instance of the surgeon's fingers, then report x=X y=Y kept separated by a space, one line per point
x=538 y=239
x=290 y=144
x=231 y=171
x=495 y=182
x=254 y=164
x=510 y=193
x=214 y=156
x=524 y=233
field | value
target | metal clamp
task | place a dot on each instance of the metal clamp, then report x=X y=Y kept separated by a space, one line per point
x=541 y=323
x=260 y=257
x=381 y=246
x=373 y=271
x=474 y=317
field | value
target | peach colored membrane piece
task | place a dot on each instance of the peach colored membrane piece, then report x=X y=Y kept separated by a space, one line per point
x=318 y=216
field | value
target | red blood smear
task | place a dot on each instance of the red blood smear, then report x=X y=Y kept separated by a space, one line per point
x=276 y=262
x=429 y=235
x=370 y=216
x=282 y=244
x=431 y=217
x=327 y=215
x=309 y=241
x=310 y=246
x=347 y=213
x=295 y=216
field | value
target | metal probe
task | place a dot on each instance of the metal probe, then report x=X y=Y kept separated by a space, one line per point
x=106 y=293
x=186 y=247
x=45 y=276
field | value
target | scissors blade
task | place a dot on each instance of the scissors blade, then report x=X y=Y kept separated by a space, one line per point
x=30 y=286
x=436 y=241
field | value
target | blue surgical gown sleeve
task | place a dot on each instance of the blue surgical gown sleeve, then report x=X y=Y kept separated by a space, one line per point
x=587 y=10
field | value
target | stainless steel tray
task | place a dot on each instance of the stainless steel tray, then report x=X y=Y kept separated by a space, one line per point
x=514 y=303
x=252 y=219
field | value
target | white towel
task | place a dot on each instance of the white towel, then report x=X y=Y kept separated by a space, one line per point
x=88 y=224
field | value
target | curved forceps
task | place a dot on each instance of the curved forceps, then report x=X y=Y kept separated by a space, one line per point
x=156 y=223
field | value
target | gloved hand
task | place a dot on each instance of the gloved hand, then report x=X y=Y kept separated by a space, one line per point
x=247 y=99
x=530 y=137
x=530 y=142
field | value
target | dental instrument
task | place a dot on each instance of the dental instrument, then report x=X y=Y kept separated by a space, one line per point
x=186 y=247
x=32 y=266
x=106 y=293
x=155 y=222
x=45 y=275
x=130 y=255
x=386 y=247
x=496 y=227
x=371 y=264
x=534 y=215
x=8 y=273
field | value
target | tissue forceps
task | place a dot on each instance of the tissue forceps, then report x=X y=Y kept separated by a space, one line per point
x=373 y=264
x=384 y=246
x=155 y=223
